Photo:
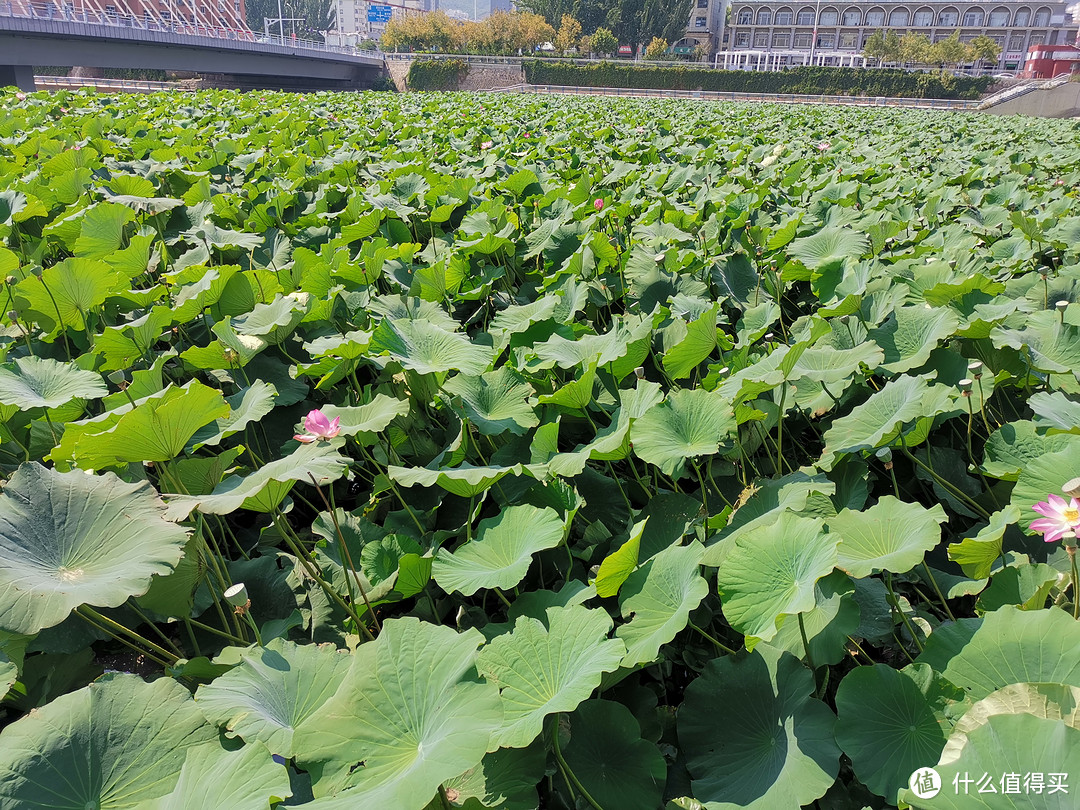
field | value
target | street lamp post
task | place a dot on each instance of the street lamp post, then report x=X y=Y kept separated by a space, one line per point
x=813 y=37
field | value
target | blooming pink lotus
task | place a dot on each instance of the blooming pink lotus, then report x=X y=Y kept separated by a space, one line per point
x=1061 y=518
x=486 y=144
x=823 y=145
x=319 y=427
x=599 y=204
x=21 y=96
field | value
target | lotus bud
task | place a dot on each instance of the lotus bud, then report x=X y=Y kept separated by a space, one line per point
x=237 y=595
x=11 y=281
x=639 y=372
x=1072 y=487
x=975 y=368
x=965 y=387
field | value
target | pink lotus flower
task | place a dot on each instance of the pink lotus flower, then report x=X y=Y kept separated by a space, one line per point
x=21 y=96
x=823 y=145
x=319 y=427
x=486 y=145
x=1061 y=518
x=599 y=204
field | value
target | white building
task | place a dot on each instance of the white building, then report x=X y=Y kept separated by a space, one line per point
x=705 y=27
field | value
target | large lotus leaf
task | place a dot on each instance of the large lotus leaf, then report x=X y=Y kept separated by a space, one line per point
x=275 y=321
x=659 y=597
x=9 y=673
x=834 y=618
x=424 y=347
x=1007 y=749
x=465 y=481
x=371 y=418
x=606 y=753
x=1055 y=411
x=829 y=247
x=911 y=333
x=694 y=348
x=245 y=407
x=687 y=424
x=505 y=780
x=1044 y=476
x=409 y=715
x=69 y=539
x=68 y=291
x=37 y=382
x=319 y=459
x=771 y=572
x=542 y=670
x=829 y=366
x=892 y=535
x=116 y=743
x=577 y=394
x=753 y=737
x=496 y=401
x=976 y=555
x=214 y=778
x=500 y=555
x=880 y=419
x=103 y=230
x=888 y=725
x=1006 y=646
x=273 y=690
x=1013 y=446
x=1053 y=345
x=619 y=564
x=153 y=431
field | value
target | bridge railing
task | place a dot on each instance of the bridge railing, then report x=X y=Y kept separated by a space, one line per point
x=38 y=10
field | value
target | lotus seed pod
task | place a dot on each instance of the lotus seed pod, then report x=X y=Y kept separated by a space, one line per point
x=975 y=368
x=1044 y=271
x=1061 y=305
x=965 y=385
x=1072 y=488
x=117 y=377
x=639 y=372
x=885 y=454
x=237 y=595
x=13 y=315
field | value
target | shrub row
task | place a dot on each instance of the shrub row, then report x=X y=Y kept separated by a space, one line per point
x=436 y=74
x=805 y=79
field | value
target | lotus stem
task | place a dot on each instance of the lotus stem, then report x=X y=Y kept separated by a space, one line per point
x=1071 y=551
x=719 y=644
x=895 y=603
x=140 y=651
x=216 y=632
x=945 y=484
x=59 y=317
x=805 y=643
x=155 y=628
x=502 y=596
x=564 y=766
x=701 y=482
x=444 y=800
x=115 y=627
x=937 y=590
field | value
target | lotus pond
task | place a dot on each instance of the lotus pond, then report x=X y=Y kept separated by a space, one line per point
x=438 y=451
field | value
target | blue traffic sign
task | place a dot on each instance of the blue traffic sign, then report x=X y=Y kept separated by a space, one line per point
x=379 y=14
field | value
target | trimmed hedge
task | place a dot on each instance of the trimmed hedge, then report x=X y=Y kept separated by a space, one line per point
x=832 y=81
x=436 y=74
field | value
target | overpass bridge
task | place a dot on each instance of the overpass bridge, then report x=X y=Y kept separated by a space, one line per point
x=47 y=33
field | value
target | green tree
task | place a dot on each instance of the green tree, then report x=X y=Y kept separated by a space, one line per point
x=985 y=50
x=949 y=51
x=317 y=16
x=875 y=46
x=603 y=41
x=892 y=46
x=568 y=34
x=915 y=48
x=656 y=49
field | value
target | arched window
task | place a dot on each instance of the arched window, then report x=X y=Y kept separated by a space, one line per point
x=805 y=16
x=764 y=16
x=829 y=16
x=998 y=18
x=784 y=16
x=852 y=16
x=746 y=16
x=923 y=18
x=973 y=18
x=876 y=17
x=1023 y=17
x=948 y=16
x=898 y=18
x=1042 y=17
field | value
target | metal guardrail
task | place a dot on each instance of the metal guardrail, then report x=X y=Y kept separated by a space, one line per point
x=481 y=59
x=773 y=98
x=49 y=12
x=125 y=85
x=1021 y=90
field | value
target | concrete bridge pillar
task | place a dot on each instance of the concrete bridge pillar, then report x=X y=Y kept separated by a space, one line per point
x=21 y=76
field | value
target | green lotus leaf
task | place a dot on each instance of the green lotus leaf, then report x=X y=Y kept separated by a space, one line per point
x=699 y=343
x=70 y=539
x=273 y=690
x=411 y=710
x=911 y=333
x=37 y=382
x=577 y=394
x=605 y=751
x=1013 y=446
x=771 y=571
x=246 y=406
x=67 y=291
x=319 y=459
x=888 y=724
x=834 y=618
x=214 y=778
x=543 y=670
x=892 y=536
x=1025 y=585
x=882 y=418
x=275 y=321
x=686 y=425
x=371 y=418
x=1055 y=411
x=1043 y=476
x=425 y=347
x=504 y=780
x=658 y=598
x=465 y=481
x=977 y=555
x=1006 y=646
x=103 y=230
x=830 y=247
x=117 y=743
x=500 y=555
x=496 y=401
x=619 y=564
x=1052 y=344
x=156 y=430
x=753 y=737
x=1006 y=745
